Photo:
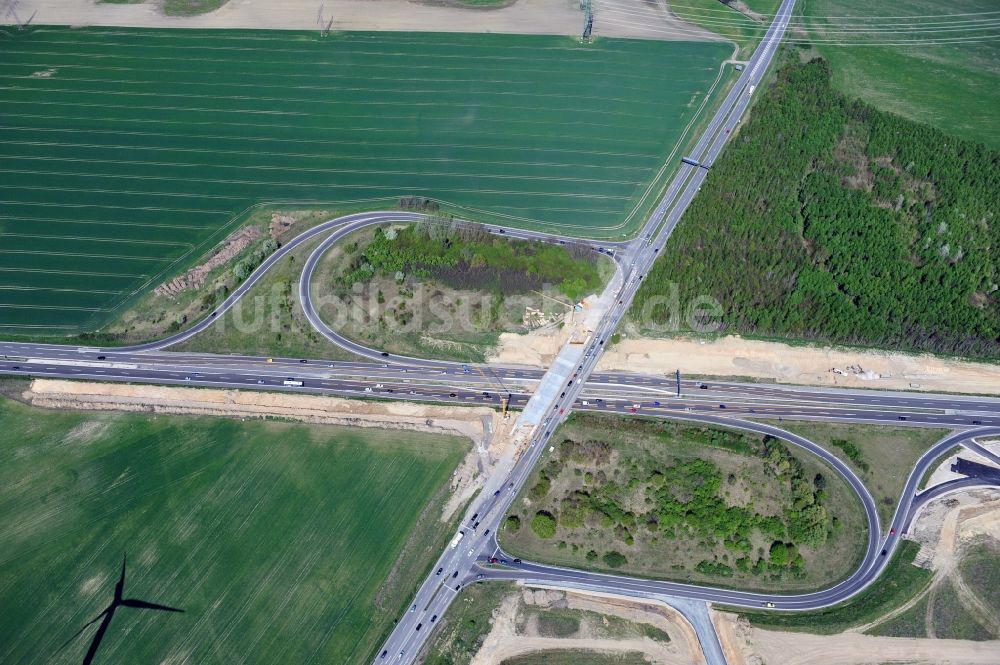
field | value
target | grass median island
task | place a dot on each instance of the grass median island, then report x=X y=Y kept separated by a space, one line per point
x=687 y=503
x=445 y=290
x=900 y=582
x=881 y=455
x=269 y=320
x=461 y=631
x=130 y=152
x=867 y=229
x=275 y=539
x=963 y=602
x=953 y=620
x=980 y=566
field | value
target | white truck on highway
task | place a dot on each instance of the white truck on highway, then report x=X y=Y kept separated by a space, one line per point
x=292 y=382
x=457 y=539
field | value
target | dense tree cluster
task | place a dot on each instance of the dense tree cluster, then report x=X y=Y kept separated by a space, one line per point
x=466 y=257
x=829 y=220
x=685 y=499
x=254 y=258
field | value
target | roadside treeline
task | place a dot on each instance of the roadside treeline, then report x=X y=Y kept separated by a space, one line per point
x=829 y=220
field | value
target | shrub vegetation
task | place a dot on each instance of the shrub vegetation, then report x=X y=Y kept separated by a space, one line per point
x=465 y=257
x=695 y=503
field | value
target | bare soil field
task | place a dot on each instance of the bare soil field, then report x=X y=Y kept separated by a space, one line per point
x=781 y=648
x=944 y=528
x=542 y=17
x=737 y=357
x=515 y=628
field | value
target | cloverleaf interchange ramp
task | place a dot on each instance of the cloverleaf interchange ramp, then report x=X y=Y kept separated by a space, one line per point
x=463 y=562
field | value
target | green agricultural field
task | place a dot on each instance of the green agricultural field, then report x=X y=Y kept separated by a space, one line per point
x=923 y=64
x=277 y=540
x=126 y=153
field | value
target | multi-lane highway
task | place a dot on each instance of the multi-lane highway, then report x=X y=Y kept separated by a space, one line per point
x=604 y=392
x=546 y=398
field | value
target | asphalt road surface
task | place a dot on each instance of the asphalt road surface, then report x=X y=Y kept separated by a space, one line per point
x=867 y=572
x=552 y=395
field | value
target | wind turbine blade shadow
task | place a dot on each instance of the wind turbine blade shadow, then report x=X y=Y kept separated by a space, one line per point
x=142 y=604
x=85 y=627
x=98 y=636
x=109 y=613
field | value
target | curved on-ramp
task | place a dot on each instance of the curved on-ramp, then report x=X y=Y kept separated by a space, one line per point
x=309 y=306
x=872 y=565
x=338 y=228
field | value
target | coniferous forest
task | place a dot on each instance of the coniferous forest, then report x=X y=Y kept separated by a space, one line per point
x=826 y=219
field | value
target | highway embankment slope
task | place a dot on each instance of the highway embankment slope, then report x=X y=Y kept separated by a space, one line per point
x=734 y=356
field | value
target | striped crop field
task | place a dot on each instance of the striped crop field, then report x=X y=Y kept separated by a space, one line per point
x=126 y=153
x=281 y=543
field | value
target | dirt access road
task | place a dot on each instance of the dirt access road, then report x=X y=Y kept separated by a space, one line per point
x=943 y=528
x=734 y=356
x=511 y=636
x=540 y=17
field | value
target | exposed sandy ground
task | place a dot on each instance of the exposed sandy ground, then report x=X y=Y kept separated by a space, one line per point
x=945 y=524
x=548 y=17
x=504 y=641
x=942 y=528
x=469 y=422
x=735 y=356
x=944 y=473
x=780 y=648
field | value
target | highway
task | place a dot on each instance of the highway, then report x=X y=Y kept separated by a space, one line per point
x=544 y=399
x=557 y=392
x=603 y=393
